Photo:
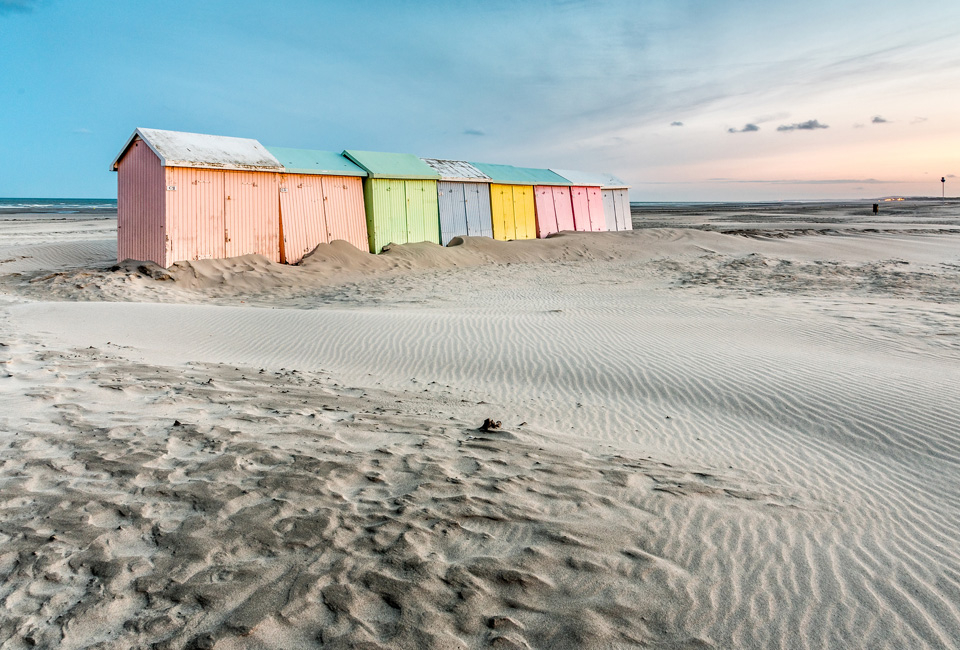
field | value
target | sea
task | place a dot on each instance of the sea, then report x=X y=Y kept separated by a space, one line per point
x=76 y=208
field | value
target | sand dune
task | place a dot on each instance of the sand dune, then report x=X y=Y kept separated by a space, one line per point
x=709 y=440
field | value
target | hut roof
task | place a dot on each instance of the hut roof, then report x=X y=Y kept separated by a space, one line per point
x=601 y=179
x=456 y=170
x=177 y=149
x=309 y=161
x=392 y=165
x=520 y=175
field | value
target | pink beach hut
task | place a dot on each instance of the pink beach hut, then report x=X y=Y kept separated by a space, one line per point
x=591 y=187
x=190 y=196
x=321 y=200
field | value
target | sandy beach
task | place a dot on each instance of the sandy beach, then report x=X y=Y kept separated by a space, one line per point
x=733 y=427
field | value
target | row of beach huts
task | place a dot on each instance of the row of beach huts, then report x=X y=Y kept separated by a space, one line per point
x=191 y=196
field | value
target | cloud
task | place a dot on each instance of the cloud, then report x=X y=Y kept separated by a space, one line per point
x=809 y=125
x=676 y=123
x=17 y=6
x=747 y=128
x=83 y=131
x=474 y=132
x=879 y=120
x=797 y=181
x=918 y=120
x=951 y=176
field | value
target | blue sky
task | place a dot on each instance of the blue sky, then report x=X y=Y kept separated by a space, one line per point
x=685 y=99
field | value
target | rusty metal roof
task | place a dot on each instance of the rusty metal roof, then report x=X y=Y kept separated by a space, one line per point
x=457 y=170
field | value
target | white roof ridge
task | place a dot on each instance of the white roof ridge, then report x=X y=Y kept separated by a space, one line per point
x=181 y=149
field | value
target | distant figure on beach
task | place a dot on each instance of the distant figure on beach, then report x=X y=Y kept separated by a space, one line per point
x=876 y=208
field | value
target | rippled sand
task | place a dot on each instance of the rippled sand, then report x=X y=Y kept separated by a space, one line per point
x=724 y=433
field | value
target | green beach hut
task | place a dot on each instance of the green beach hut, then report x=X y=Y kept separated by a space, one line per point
x=400 y=198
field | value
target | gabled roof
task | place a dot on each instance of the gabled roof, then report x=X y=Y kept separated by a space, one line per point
x=309 y=161
x=456 y=170
x=392 y=165
x=600 y=179
x=177 y=149
x=520 y=175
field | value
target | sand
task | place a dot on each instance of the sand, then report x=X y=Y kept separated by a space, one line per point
x=741 y=434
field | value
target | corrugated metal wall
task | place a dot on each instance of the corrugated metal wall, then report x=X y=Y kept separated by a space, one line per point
x=622 y=203
x=464 y=210
x=616 y=209
x=423 y=217
x=595 y=201
x=452 y=206
x=251 y=214
x=546 y=211
x=513 y=211
x=141 y=191
x=385 y=206
x=588 y=208
x=343 y=209
x=401 y=211
x=476 y=198
x=302 y=215
x=554 y=209
x=609 y=210
x=195 y=214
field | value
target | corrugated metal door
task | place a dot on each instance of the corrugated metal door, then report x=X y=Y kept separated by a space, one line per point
x=252 y=214
x=476 y=199
x=501 y=208
x=525 y=212
x=564 y=207
x=622 y=202
x=302 y=215
x=386 y=209
x=546 y=211
x=595 y=204
x=423 y=218
x=452 y=205
x=581 y=208
x=343 y=208
x=195 y=214
x=609 y=210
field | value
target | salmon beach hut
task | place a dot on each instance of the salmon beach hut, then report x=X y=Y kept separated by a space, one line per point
x=614 y=195
x=321 y=200
x=400 y=197
x=190 y=196
x=463 y=196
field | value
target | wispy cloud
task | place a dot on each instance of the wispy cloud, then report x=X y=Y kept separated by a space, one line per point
x=879 y=120
x=918 y=120
x=797 y=181
x=747 y=128
x=17 y=6
x=83 y=131
x=474 y=132
x=809 y=125
x=676 y=123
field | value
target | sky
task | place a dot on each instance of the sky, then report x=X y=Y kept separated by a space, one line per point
x=686 y=100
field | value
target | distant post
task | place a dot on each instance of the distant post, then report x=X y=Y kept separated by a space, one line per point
x=943 y=187
x=876 y=208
